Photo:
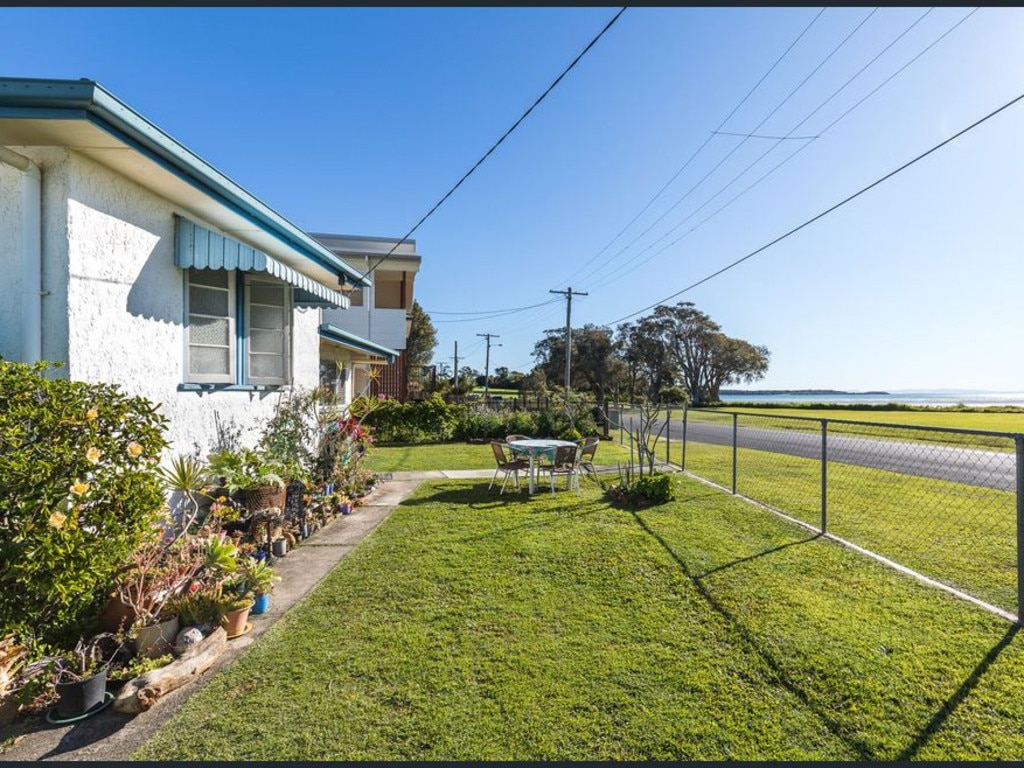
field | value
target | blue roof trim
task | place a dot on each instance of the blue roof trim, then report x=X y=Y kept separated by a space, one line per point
x=78 y=99
x=339 y=336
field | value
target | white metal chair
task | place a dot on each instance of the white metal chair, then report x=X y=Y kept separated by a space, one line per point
x=567 y=463
x=506 y=464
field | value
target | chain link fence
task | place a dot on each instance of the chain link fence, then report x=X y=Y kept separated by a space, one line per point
x=944 y=503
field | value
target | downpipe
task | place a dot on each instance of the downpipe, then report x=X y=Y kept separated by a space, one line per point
x=31 y=254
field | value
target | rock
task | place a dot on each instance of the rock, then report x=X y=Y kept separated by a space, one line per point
x=186 y=638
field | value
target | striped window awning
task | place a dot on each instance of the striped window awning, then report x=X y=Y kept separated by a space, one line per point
x=196 y=247
x=336 y=335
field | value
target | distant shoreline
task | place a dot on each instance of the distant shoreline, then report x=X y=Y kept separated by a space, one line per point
x=743 y=392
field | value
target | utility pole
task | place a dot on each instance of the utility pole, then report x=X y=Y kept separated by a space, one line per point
x=487 y=363
x=455 y=378
x=568 y=293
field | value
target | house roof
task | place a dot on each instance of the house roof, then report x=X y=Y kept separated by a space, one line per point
x=336 y=335
x=84 y=117
x=385 y=252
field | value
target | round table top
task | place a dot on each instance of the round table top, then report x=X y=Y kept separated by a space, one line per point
x=538 y=444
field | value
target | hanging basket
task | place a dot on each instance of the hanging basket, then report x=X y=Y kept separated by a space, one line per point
x=265 y=497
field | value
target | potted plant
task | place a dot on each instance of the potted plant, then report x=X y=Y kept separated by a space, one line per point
x=259 y=479
x=235 y=604
x=80 y=677
x=157 y=572
x=258 y=579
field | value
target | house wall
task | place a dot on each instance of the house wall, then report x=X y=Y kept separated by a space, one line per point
x=117 y=299
x=381 y=326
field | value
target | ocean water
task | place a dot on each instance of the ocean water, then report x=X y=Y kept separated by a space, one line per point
x=937 y=397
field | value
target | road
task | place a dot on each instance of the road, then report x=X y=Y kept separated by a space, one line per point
x=969 y=466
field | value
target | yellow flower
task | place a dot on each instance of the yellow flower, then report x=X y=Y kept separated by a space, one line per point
x=78 y=487
x=57 y=519
x=134 y=450
x=93 y=455
x=92 y=414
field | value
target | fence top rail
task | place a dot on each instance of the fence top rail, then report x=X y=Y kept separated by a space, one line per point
x=917 y=428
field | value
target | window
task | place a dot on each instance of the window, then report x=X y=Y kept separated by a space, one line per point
x=228 y=346
x=268 y=311
x=211 y=326
x=333 y=377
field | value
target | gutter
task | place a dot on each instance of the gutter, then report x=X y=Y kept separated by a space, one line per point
x=31 y=254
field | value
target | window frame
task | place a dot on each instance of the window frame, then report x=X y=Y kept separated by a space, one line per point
x=232 y=318
x=239 y=332
x=249 y=280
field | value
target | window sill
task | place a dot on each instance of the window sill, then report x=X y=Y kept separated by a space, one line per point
x=188 y=387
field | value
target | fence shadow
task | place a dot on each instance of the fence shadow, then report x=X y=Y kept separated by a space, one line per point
x=958 y=698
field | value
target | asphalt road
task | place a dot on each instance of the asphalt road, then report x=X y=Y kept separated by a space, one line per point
x=969 y=466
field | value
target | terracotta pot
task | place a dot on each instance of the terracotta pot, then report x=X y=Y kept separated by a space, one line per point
x=234 y=622
x=116 y=615
x=156 y=639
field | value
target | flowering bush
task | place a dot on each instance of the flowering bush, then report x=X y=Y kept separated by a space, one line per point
x=80 y=492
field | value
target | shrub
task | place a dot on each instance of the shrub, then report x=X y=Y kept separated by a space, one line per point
x=80 y=492
x=420 y=421
x=643 y=491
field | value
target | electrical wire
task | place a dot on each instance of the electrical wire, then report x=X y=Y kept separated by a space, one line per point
x=736 y=148
x=829 y=210
x=699 y=149
x=611 y=276
x=497 y=143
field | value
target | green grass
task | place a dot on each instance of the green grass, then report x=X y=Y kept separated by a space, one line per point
x=432 y=456
x=470 y=626
x=961 y=535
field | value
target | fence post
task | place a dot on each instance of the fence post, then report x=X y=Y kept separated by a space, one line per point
x=668 y=434
x=824 y=475
x=735 y=430
x=1019 y=445
x=682 y=460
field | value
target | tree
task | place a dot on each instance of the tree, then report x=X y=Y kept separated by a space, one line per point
x=419 y=346
x=594 y=365
x=706 y=357
x=644 y=351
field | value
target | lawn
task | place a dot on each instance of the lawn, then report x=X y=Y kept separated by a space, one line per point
x=420 y=458
x=472 y=626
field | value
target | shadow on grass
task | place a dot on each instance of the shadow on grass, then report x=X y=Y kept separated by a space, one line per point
x=861 y=748
x=958 y=698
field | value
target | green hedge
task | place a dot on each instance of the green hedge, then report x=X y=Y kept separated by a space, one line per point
x=80 y=492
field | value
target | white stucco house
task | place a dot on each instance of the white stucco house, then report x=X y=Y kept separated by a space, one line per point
x=130 y=260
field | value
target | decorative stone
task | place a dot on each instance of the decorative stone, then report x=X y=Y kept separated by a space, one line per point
x=186 y=638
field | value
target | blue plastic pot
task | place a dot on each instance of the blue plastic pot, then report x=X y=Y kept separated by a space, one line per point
x=262 y=604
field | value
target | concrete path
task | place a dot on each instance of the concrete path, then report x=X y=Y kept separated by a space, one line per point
x=110 y=735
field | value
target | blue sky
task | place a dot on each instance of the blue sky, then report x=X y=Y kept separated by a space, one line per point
x=359 y=120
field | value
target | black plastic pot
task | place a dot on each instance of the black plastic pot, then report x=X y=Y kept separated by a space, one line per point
x=77 y=698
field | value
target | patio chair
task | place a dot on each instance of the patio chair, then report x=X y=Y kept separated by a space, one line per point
x=567 y=463
x=587 y=455
x=510 y=438
x=506 y=464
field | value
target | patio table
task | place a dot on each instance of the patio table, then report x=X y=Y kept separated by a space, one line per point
x=534 y=448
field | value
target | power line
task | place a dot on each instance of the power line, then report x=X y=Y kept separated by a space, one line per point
x=699 y=149
x=611 y=276
x=498 y=142
x=736 y=148
x=824 y=213
x=492 y=311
